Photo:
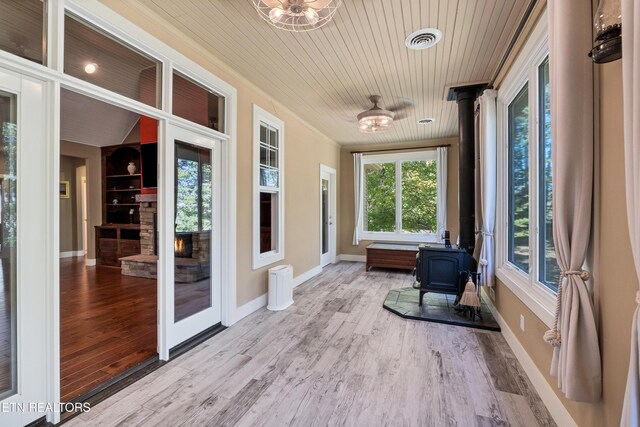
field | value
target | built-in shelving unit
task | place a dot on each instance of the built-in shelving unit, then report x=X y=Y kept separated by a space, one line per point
x=119 y=235
x=119 y=185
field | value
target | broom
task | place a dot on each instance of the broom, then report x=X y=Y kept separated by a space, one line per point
x=470 y=295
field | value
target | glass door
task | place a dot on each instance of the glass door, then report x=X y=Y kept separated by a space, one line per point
x=196 y=266
x=23 y=198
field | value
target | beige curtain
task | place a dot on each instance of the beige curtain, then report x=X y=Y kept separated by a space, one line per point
x=358 y=189
x=487 y=192
x=441 y=193
x=478 y=187
x=631 y=89
x=576 y=355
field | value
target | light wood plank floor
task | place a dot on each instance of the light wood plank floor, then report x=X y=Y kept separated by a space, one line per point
x=336 y=357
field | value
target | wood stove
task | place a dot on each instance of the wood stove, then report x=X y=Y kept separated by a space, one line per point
x=442 y=269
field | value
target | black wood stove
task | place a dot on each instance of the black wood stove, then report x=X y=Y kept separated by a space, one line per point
x=442 y=269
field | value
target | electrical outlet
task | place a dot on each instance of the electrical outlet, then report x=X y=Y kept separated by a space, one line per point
x=492 y=294
x=522 y=322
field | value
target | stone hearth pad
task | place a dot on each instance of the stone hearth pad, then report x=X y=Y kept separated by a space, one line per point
x=437 y=308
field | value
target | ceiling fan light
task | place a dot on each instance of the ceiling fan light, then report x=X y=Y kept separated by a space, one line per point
x=276 y=14
x=375 y=119
x=312 y=16
x=297 y=15
x=375 y=123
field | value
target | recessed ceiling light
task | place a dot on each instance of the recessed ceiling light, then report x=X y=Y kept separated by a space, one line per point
x=423 y=39
x=90 y=68
x=426 y=121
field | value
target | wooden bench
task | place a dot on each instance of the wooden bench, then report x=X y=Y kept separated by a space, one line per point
x=397 y=256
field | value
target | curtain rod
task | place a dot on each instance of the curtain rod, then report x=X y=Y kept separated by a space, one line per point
x=513 y=41
x=401 y=149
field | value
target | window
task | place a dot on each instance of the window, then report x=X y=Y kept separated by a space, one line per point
x=96 y=57
x=268 y=209
x=196 y=103
x=193 y=188
x=22 y=26
x=8 y=242
x=522 y=252
x=519 y=180
x=549 y=271
x=525 y=255
x=400 y=196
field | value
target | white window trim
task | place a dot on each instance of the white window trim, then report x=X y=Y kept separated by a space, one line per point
x=397 y=236
x=534 y=294
x=261 y=260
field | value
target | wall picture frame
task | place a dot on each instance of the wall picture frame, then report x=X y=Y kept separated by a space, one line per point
x=64 y=190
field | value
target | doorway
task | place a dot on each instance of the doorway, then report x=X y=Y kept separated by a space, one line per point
x=327 y=215
x=108 y=244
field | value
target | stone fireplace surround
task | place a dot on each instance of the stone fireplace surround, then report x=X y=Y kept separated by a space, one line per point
x=187 y=270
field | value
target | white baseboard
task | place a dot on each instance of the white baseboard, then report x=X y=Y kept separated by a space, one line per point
x=353 y=258
x=297 y=281
x=248 y=308
x=72 y=254
x=90 y=262
x=544 y=389
x=257 y=303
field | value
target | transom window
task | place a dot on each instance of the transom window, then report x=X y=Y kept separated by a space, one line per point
x=22 y=25
x=400 y=196
x=97 y=57
x=195 y=102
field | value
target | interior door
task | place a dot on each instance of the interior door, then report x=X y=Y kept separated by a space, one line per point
x=326 y=219
x=195 y=289
x=24 y=279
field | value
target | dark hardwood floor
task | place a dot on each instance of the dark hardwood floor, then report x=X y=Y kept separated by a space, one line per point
x=107 y=325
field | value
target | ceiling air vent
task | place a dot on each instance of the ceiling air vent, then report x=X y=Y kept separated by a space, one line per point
x=423 y=39
x=425 y=121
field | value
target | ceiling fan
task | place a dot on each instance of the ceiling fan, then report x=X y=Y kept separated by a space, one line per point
x=377 y=119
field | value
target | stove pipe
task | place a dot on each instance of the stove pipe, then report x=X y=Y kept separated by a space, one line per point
x=465 y=97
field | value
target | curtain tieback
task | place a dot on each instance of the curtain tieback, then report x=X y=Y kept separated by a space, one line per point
x=638 y=297
x=552 y=336
x=486 y=233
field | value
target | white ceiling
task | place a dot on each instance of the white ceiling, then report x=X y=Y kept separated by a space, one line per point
x=327 y=75
x=91 y=122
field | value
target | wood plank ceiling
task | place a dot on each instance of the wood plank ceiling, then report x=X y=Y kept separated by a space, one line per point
x=327 y=75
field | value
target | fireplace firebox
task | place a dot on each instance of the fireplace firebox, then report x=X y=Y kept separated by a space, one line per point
x=183 y=245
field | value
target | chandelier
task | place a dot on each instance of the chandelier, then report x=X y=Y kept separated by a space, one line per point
x=297 y=15
x=375 y=119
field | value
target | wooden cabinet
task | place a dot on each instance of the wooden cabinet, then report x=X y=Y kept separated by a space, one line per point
x=401 y=257
x=114 y=241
